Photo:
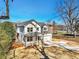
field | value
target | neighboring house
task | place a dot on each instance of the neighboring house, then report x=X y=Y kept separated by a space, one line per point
x=32 y=31
x=61 y=29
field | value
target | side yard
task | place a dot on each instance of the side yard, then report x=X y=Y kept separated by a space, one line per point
x=64 y=37
x=38 y=52
x=49 y=53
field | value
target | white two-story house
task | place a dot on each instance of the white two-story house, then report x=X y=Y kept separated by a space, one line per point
x=32 y=31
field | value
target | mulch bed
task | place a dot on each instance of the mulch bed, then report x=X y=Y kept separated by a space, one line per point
x=16 y=45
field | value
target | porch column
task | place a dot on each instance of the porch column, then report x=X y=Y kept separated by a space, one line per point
x=19 y=37
x=34 y=40
x=25 y=41
x=37 y=40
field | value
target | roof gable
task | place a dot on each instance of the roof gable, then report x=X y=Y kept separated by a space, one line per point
x=32 y=22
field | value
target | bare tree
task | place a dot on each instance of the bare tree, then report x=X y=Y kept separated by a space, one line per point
x=54 y=27
x=7 y=10
x=68 y=10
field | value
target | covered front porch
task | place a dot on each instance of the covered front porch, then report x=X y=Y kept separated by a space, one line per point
x=34 y=38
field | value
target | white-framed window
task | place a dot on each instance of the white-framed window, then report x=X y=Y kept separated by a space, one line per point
x=30 y=29
x=37 y=28
x=38 y=37
x=29 y=38
x=45 y=28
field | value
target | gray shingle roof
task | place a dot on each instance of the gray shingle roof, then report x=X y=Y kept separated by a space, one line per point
x=30 y=21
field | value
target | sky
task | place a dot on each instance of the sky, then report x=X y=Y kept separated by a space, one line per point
x=40 y=10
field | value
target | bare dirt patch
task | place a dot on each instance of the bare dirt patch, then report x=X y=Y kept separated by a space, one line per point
x=50 y=52
x=20 y=52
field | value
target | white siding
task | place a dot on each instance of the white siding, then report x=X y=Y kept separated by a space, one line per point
x=37 y=26
x=45 y=27
x=18 y=30
x=33 y=25
x=47 y=37
x=29 y=25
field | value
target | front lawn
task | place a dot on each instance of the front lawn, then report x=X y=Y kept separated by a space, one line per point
x=63 y=37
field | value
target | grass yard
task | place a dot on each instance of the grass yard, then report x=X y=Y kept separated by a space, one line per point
x=69 y=38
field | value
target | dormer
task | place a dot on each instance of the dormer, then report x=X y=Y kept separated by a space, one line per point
x=45 y=28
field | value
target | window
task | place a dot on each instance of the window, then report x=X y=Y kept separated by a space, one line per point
x=21 y=28
x=29 y=39
x=29 y=29
x=45 y=28
x=37 y=28
x=38 y=37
